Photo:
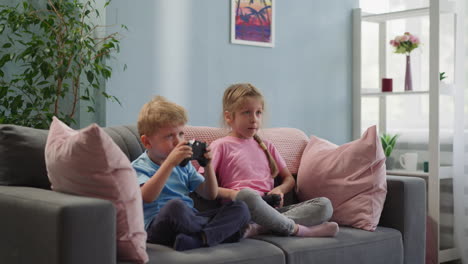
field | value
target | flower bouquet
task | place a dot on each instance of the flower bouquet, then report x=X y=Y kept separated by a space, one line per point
x=405 y=44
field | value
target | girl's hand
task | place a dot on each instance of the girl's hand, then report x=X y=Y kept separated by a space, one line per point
x=179 y=153
x=280 y=193
x=208 y=155
x=233 y=194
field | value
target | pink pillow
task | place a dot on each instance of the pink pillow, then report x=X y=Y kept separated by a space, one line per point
x=352 y=176
x=88 y=163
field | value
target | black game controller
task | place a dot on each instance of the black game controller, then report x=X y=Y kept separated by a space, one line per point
x=199 y=150
x=274 y=200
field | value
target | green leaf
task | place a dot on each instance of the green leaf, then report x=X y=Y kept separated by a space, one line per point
x=6 y=58
x=90 y=76
x=43 y=59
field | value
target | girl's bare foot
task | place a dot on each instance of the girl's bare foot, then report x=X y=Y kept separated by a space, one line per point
x=326 y=229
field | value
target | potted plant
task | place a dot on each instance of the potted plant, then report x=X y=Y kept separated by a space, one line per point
x=52 y=60
x=388 y=144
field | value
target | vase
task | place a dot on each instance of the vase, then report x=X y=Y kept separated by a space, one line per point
x=408 y=81
x=389 y=163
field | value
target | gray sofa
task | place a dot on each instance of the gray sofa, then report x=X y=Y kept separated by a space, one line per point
x=38 y=225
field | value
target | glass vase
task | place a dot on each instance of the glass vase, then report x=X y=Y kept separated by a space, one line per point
x=408 y=81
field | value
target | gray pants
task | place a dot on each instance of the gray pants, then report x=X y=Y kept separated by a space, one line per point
x=282 y=220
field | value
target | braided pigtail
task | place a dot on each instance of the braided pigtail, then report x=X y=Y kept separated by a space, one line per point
x=271 y=162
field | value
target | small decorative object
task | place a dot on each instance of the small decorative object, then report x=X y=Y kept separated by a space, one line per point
x=387 y=84
x=442 y=76
x=388 y=143
x=252 y=22
x=426 y=166
x=409 y=161
x=405 y=44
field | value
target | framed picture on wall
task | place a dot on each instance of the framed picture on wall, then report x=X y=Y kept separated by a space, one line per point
x=253 y=22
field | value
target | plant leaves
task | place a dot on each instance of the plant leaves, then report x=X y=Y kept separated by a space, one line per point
x=90 y=76
x=51 y=48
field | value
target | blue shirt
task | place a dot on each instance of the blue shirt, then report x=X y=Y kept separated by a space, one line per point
x=181 y=182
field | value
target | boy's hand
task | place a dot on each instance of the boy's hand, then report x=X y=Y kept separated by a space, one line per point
x=179 y=153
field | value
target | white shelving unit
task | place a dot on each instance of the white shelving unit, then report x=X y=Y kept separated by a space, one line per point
x=433 y=93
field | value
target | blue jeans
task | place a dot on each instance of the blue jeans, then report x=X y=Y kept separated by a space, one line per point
x=219 y=225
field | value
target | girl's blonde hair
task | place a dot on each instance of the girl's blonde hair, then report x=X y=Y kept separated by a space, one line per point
x=159 y=113
x=233 y=98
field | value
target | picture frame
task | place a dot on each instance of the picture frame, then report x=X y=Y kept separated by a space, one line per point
x=253 y=22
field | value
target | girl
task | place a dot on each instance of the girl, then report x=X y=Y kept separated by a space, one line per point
x=246 y=167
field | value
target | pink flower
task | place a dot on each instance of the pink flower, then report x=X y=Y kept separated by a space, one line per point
x=414 y=39
x=394 y=43
x=405 y=43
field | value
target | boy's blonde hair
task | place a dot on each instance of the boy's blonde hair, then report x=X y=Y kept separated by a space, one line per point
x=233 y=98
x=159 y=113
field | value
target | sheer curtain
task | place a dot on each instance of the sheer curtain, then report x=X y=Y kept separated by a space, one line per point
x=461 y=179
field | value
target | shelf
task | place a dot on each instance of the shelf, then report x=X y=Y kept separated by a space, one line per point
x=444 y=89
x=445 y=7
x=445 y=172
x=366 y=93
x=431 y=92
x=377 y=18
x=408 y=173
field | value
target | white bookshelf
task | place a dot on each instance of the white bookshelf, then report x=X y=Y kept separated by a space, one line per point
x=432 y=93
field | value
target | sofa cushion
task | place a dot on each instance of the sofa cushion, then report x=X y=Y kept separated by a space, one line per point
x=352 y=176
x=350 y=246
x=22 y=156
x=248 y=251
x=88 y=163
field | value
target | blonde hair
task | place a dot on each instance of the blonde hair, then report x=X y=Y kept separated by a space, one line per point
x=233 y=98
x=158 y=113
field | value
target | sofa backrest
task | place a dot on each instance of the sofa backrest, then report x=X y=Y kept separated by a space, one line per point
x=22 y=160
x=290 y=142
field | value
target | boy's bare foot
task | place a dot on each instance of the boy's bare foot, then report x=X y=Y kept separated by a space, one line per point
x=253 y=229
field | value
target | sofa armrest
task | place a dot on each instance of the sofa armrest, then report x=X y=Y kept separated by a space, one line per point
x=42 y=226
x=405 y=210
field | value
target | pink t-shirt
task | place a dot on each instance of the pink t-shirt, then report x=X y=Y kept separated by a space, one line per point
x=241 y=163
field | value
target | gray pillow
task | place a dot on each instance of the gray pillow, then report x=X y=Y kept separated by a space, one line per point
x=22 y=160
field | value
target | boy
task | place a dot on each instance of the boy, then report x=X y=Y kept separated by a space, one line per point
x=170 y=218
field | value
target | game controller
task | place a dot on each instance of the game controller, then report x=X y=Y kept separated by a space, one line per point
x=199 y=150
x=274 y=200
